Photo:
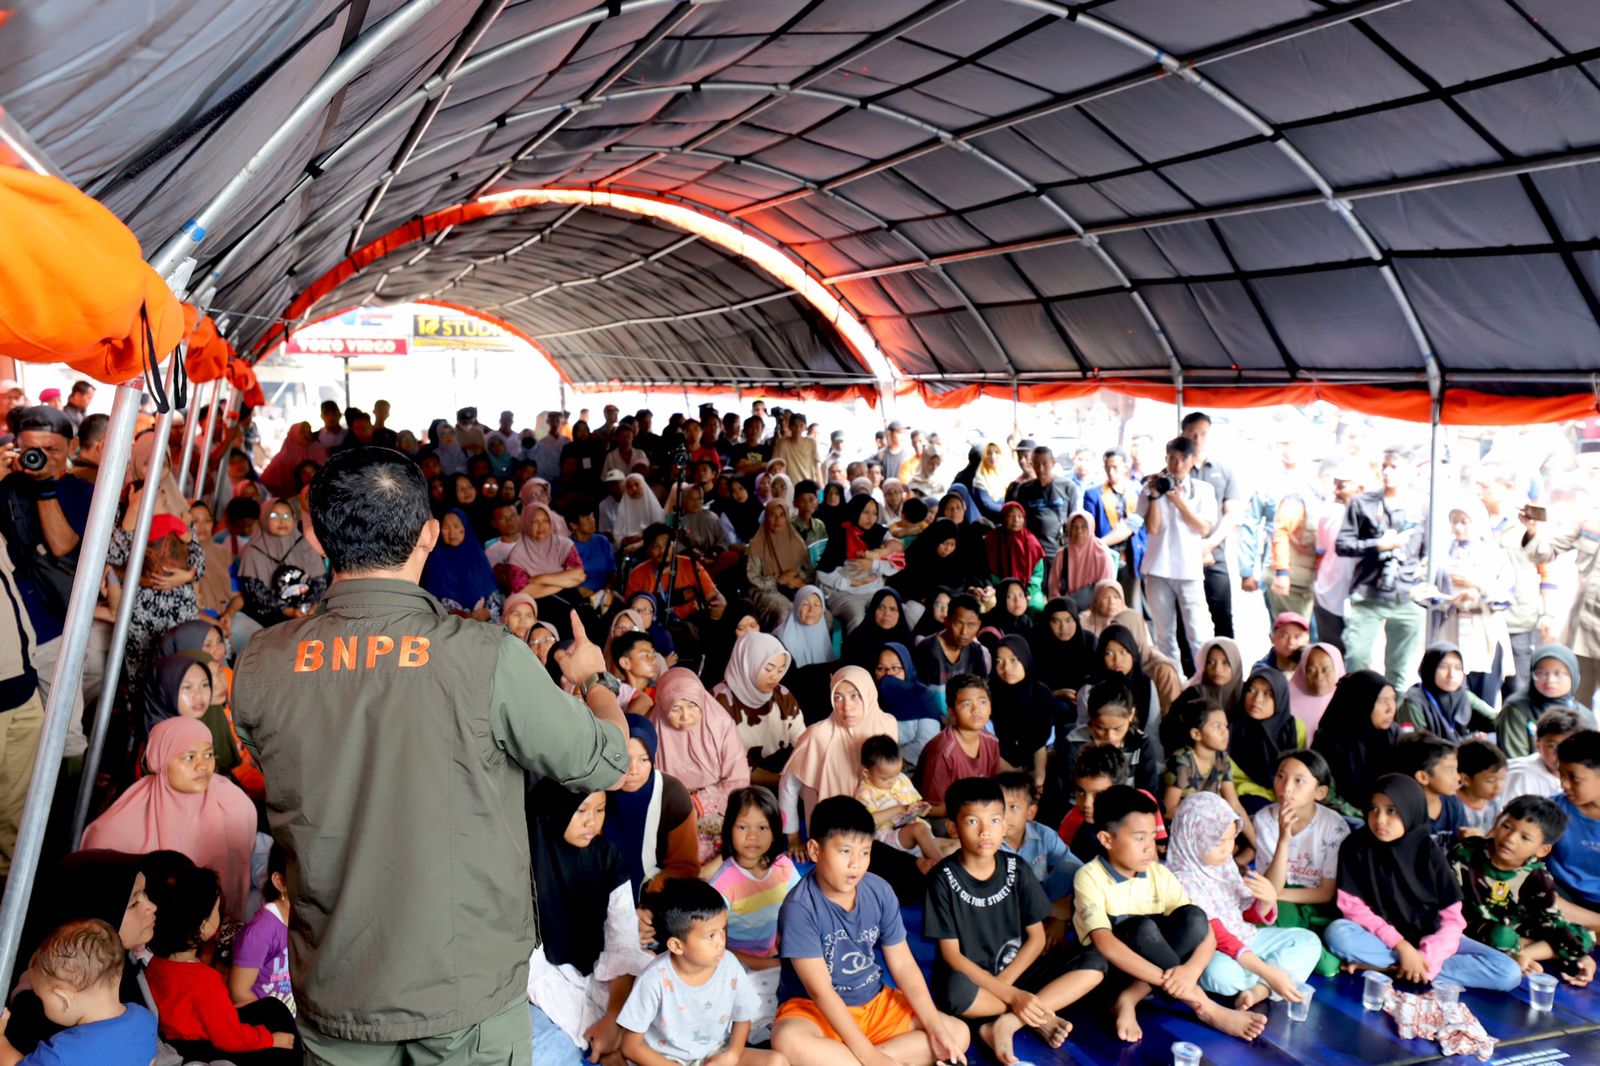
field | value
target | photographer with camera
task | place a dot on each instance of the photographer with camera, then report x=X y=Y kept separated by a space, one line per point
x=37 y=510
x=1389 y=543
x=1178 y=512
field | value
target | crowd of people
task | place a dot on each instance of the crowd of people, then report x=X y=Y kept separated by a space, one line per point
x=1004 y=685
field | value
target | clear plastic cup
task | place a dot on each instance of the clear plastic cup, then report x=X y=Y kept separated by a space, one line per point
x=1185 y=1054
x=1298 y=1012
x=1446 y=991
x=1374 y=989
x=1542 y=991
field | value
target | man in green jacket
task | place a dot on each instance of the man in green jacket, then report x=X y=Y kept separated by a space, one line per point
x=396 y=740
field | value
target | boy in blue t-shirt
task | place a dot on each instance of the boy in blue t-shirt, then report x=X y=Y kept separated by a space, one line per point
x=77 y=974
x=839 y=928
x=1575 y=860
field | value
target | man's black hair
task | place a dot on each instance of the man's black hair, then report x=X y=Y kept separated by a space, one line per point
x=242 y=507
x=80 y=387
x=1117 y=804
x=971 y=792
x=1312 y=760
x=623 y=646
x=1195 y=417
x=1420 y=753
x=880 y=749
x=1479 y=756
x=957 y=682
x=1043 y=449
x=577 y=507
x=1582 y=749
x=1556 y=722
x=40 y=419
x=329 y=404
x=683 y=901
x=964 y=602
x=805 y=486
x=1542 y=812
x=183 y=903
x=1182 y=445
x=914 y=511
x=92 y=430
x=840 y=816
x=368 y=507
x=654 y=530
x=1114 y=453
x=1018 y=781
x=1100 y=760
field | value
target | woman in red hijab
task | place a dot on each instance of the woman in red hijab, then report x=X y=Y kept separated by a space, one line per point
x=1015 y=553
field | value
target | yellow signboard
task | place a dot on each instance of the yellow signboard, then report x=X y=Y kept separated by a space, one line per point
x=458 y=332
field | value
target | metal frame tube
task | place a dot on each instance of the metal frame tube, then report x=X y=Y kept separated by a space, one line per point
x=188 y=448
x=343 y=70
x=205 y=443
x=69 y=672
x=222 y=460
x=119 y=632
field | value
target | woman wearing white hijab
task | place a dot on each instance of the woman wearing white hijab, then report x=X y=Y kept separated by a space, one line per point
x=637 y=510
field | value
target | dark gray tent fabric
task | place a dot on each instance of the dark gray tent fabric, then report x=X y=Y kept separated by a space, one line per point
x=1006 y=190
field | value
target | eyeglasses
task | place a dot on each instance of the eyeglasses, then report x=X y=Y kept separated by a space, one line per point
x=281 y=514
x=1551 y=675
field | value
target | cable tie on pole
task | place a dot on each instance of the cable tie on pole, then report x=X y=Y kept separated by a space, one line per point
x=613 y=8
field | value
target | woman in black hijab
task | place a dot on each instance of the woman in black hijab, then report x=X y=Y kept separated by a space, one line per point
x=1117 y=659
x=931 y=562
x=1022 y=709
x=1261 y=728
x=1062 y=649
x=885 y=623
x=1010 y=614
x=1432 y=704
x=1357 y=735
x=1393 y=874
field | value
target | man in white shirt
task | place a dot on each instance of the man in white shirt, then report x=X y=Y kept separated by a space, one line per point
x=1178 y=511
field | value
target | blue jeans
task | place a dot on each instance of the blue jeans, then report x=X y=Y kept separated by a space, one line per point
x=1294 y=951
x=1474 y=965
x=551 y=1044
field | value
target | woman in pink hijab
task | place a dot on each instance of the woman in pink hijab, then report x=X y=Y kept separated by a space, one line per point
x=1311 y=686
x=827 y=758
x=1081 y=564
x=700 y=746
x=537 y=490
x=183 y=805
x=300 y=446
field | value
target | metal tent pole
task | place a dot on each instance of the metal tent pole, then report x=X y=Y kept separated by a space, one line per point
x=188 y=455
x=222 y=460
x=119 y=632
x=205 y=443
x=1431 y=541
x=69 y=672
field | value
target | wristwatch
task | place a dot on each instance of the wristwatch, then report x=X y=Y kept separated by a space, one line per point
x=603 y=679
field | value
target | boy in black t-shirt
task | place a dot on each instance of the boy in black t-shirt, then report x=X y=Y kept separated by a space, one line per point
x=986 y=910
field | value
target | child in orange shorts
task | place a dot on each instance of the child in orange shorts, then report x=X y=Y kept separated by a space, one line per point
x=839 y=929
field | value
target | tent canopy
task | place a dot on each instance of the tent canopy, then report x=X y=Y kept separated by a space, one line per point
x=999 y=191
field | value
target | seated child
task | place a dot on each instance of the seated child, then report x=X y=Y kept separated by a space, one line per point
x=839 y=929
x=1431 y=761
x=1482 y=767
x=755 y=876
x=77 y=974
x=695 y=1001
x=1250 y=964
x=1509 y=898
x=1202 y=764
x=986 y=912
x=1096 y=768
x=964 y=748
x=261 y=951
x=1133 y=912
x=1297 y=846
x=1538 y=772
x=1046 y=853
x=1111 y=713
x=1401 y=902
x=198 y=1017
x=1575 y=859
x=895 y=803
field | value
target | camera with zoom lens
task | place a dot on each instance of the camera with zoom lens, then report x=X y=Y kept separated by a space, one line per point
x=33 y=460
x=1162 y=484
x=680 y=459
x=1388 y=572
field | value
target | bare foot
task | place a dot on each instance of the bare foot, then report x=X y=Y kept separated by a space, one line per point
x=1243 y=1024
x=1127 y=1020
x=1356 y=967
x=1055 y=1032
x=999 y=1034
x=1252 y=995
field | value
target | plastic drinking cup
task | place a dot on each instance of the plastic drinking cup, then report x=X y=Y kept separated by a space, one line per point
x=1542 y=991
x=1185 y=1054
x=1446 y=991
x=1299 y=1011
x=1375 y=989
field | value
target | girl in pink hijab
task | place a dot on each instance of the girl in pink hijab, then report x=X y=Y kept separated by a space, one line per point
x=184 y=805
x=1082 y=563
x=827 y=758
x=700 y=746
x=1311 y=686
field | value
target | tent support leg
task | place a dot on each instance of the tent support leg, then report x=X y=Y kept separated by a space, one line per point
x=1177 y=399
x=69 y=672
x=205 y=444
x=119 y=632
x=1431 y=534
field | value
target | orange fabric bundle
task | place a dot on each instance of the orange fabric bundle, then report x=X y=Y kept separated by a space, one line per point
x=73 y=280
x=243 y=378
x=208 y=353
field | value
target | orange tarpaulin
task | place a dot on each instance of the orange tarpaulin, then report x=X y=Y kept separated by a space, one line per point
x=74 y=286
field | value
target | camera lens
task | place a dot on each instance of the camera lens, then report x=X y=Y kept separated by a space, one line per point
x=33 y=460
